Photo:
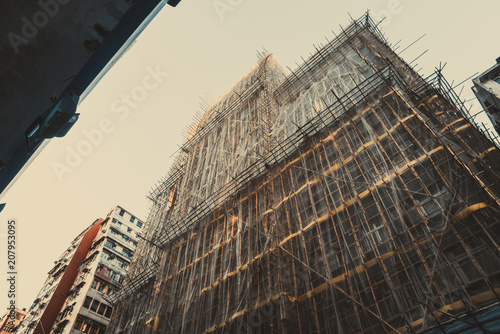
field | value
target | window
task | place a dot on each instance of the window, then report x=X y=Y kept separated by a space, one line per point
x=89 y=327
x=139 y=224
x=78 y=324
x=129 y=229
x=8 y=328
x=497 y=79
x=127 y=253
x=94 y=305
x=101 y=309
x=97 y=307
x=87 y=302
x=74 y=293
x=110 y=244
x=102 y=270
x=64 y=313
x=86 y=327
x=132 y=219
x=94 y=284
x=89 y=260
x=54 y=269
x=122 y=212
x=108 y=312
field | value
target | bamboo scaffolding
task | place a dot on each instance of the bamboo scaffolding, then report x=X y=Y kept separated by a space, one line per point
x=352 y=196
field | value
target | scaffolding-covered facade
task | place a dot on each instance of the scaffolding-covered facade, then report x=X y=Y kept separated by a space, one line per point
x=350 y=196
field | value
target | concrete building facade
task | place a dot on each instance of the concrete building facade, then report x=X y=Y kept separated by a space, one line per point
x=74 y=296
x=487 y=90
x=350 y=196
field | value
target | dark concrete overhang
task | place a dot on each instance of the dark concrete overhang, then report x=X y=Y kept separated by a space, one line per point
x=53 y=54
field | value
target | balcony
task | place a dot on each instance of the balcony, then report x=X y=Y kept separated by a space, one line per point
x=94 y=316
x=121 y=240
x=123 y=228
x=113 y=266
x=120 y=254
x=94 y=294
x=115 y=281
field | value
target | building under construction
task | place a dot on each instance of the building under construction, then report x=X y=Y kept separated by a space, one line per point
x=350 y=196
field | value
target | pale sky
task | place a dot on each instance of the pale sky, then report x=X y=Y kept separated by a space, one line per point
x=197 y=49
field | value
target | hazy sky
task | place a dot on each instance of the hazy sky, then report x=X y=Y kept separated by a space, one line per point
x=200 y=48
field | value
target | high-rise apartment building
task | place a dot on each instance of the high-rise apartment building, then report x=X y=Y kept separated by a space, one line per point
x=487 y=90
x=350 y=196
x=73 y=299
